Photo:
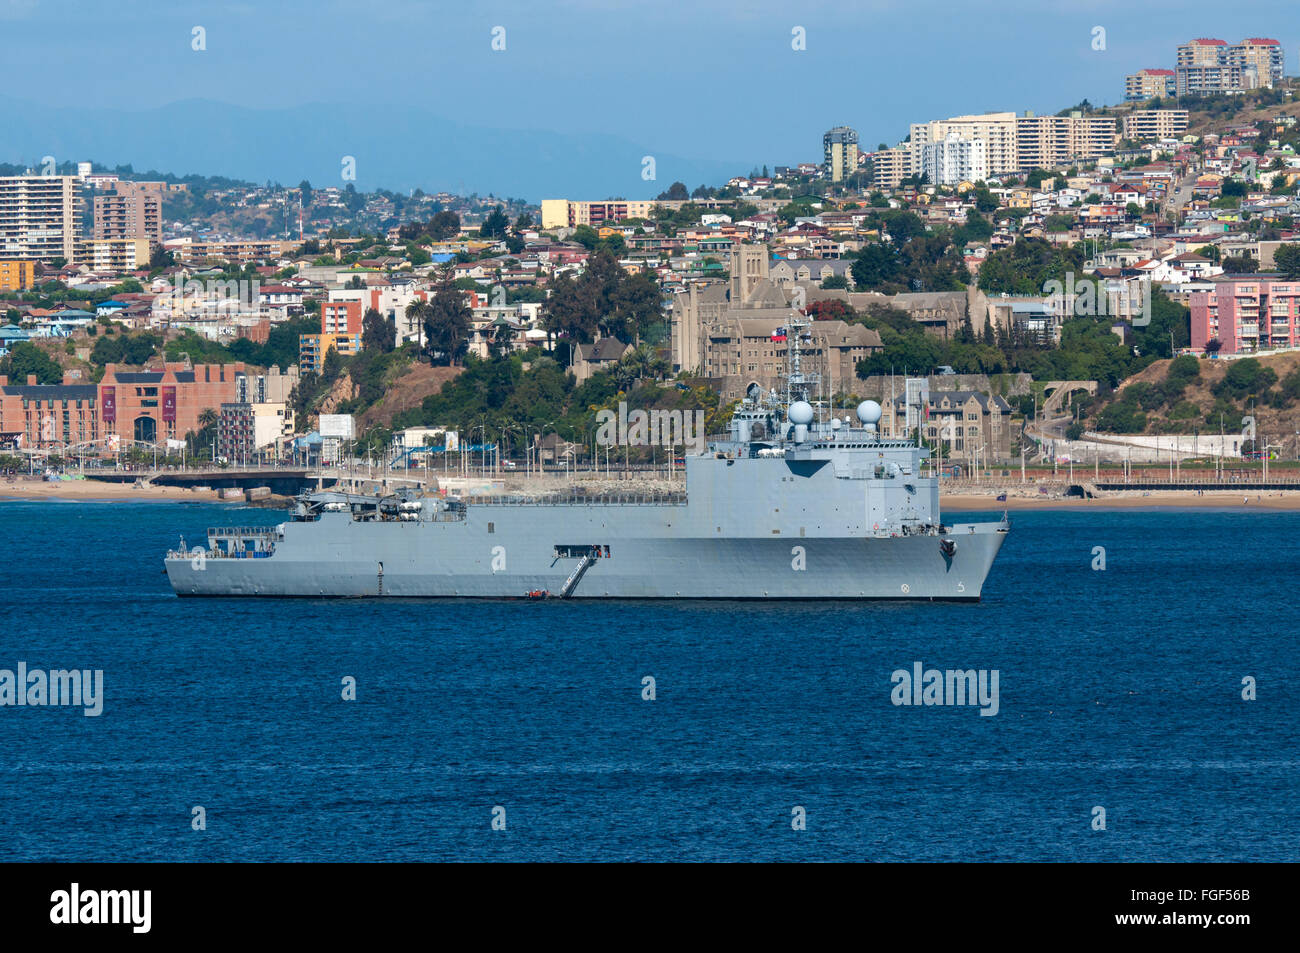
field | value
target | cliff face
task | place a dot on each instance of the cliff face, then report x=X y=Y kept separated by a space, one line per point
x=343 y=390
x=406 y=392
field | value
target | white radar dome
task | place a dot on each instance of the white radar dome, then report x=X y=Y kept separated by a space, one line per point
x=869 y=412
x=801 y=412
x=835 y=423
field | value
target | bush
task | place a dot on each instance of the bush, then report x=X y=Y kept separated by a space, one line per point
x=1122 y=417
x=1183 y=369
x=1245 y=377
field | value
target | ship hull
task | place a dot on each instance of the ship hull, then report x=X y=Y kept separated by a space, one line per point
x=510 y=552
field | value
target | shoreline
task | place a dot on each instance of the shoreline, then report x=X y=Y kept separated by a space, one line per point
x=1017 y=499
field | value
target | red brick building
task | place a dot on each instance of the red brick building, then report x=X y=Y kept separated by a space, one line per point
x=34 y=416
x=152 y=406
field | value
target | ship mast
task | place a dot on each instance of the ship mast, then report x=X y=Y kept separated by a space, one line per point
x=798 y=385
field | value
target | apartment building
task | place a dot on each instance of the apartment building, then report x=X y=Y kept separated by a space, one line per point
x=1261 y=58
x=840 y=152
x=1053 y=142
x=1206 y=66
x=997 y=130
x=40 y=217
x=1144 y=125
x=189 y=252
x=313 y=349
x=16 y=275
x=1149 y=84
x=340 y=330
x=116 y=255
x=341 y=317
x=391 y=301
x=1246 y=315
x=955 y=160
x=128 y=212
x=1017 y=143
x=247 y=429
x=890 y=167
x=562 y=213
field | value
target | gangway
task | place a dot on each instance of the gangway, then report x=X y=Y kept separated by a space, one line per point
x=586 y=562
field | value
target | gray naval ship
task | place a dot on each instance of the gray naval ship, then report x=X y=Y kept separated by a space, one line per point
x=784 y=506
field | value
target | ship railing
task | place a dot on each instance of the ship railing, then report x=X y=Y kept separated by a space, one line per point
x=584 y=499
x=245 y=532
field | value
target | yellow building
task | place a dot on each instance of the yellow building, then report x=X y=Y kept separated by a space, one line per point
x=563 y=213
x=312 y=349
x=17 y=275
x=117 y=254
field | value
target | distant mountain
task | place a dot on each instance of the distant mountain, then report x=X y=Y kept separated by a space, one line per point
x=395 y=146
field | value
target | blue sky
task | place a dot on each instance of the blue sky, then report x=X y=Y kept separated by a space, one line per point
x=709 y=79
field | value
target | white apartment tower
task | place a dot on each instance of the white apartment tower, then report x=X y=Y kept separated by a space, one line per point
x=39 y=217
x=955 y=160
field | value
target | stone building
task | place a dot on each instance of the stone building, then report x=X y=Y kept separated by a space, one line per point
x=968 y=423
x=733 y=332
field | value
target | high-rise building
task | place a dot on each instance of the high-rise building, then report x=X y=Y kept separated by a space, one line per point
x=1053 y=142
x=1206 y=66
x=1143 y=125
x=954 y=160
x=1149 y=84
x=889 y=167
x=1260 y=58
x=128 y=212
x=840 y=152
x=39 y=217
x=997 y=130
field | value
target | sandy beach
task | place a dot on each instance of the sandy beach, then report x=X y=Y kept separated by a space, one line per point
x=22 y=489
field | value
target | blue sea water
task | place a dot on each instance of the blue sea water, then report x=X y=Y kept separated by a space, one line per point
x=1119 y=688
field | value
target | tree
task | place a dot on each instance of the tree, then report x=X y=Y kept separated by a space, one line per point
x=378 y=332
x=675 y=193
x=444 y=225
x=25 y=358
x=446 y=324
x=304 y=187
x=160 y=258
x=495 y=225
x=1287 y=260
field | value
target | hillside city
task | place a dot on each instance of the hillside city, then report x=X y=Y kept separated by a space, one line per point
x=1114 y=284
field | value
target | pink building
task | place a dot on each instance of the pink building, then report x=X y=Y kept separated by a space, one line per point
x=1247 y=314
